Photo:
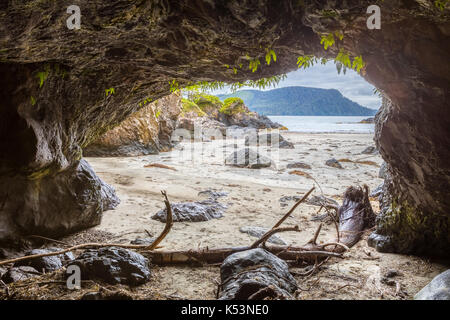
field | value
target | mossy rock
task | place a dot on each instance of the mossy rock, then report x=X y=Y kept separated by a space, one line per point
x=232 y=106
x=189 y=106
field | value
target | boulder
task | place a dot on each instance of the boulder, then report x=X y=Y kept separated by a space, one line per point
x=248 y=158
x=275 y=140
x=47 y=264
x=54 y=205
x=437 y=289
x=245 y=273
x=369 y=150
x=300 y=165
x=193 y=211
x=19 y=273
x=114 y=265
x=334 y=163
x=214 y=194
x=258 y=232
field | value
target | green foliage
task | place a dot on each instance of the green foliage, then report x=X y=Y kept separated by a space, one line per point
x=270 y=55
x=158 y=113
x=262 y=83
x=329 y=39
x=232 y=106
x=174 y=86
x=358 y=64
x=204 y=101
x=32 y=100
x=110 y=92
x=254 y=64
x=342 y=62
x=306 y=61
x=441 y=4
x=145 y=101
x=204 y=86
x=189 y=106
x=43 y=75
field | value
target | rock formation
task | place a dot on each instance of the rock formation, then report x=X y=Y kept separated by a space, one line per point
x=147 y=131
x=212 y=117
x=64 y=88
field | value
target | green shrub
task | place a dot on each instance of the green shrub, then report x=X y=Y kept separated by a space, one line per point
x=189 y=106
x=232 y=106
x=206 y=101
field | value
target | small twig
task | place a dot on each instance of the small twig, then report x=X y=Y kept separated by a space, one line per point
x=293 y=208
x=168 y=226
x=316 y=235
x=335 y=244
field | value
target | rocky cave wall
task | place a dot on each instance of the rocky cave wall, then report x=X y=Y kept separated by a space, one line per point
x=55 y=97
x=147 y=131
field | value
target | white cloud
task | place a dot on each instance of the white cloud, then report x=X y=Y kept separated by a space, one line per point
x=351 y=85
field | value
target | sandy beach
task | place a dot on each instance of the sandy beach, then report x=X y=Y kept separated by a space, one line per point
x=254 y=200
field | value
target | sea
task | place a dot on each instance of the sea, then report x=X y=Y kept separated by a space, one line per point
x=325 y=124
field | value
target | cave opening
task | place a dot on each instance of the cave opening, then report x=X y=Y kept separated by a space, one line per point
x=132 y=56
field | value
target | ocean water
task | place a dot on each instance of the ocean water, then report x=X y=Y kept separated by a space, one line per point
x=324 y=124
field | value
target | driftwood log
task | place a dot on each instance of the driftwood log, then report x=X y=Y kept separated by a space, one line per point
x=355 y=216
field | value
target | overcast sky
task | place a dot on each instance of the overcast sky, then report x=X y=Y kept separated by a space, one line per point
x=351 y=85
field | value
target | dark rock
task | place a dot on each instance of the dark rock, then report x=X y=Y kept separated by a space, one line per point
x=214 y=194
x=300 y=165
x=377 y=191
x=334 y=163
x=47 y=264
x=392 y=273
x=245 y=273
x=437 y=289
x=382 y=172
x=258 y=232
x=143 y=241
x=193 y=211
x=275 y=140
x=380 y=242
x=19 y=273
x=55 y=210
x=248 y=158
x=114 y=265
x=388 y=281
x=368 y=120
x=284 y=200
x=414 y=212
x=369 y=150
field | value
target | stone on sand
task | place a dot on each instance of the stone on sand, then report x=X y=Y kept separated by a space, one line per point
x=248 y=158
